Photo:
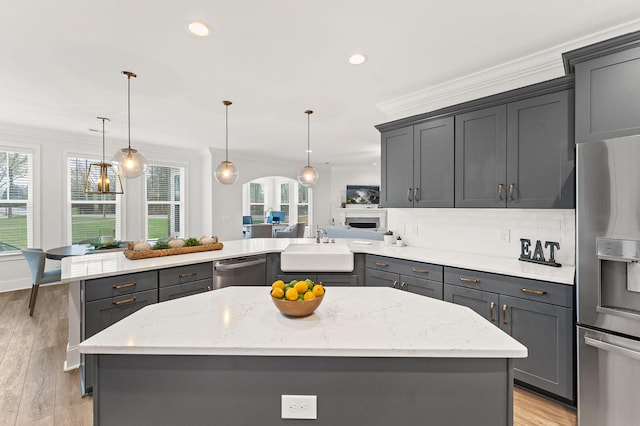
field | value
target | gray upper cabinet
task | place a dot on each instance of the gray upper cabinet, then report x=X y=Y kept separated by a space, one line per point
x=417 y=165
x=397 y=168
x=607 y=90
x=518 y=155
x=480 y=159
x=540 y=152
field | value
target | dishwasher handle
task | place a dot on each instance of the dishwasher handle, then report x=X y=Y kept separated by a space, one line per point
x=227 y=267
x=610 y=347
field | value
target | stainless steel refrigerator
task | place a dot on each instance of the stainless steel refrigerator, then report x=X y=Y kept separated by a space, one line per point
x=608 y=281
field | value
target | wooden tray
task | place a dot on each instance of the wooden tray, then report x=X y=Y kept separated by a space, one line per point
x=146 y=254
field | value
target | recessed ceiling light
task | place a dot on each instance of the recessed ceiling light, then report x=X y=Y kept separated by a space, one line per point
x=357 y=59
x=199 y=28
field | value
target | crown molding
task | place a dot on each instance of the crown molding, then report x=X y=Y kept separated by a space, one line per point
x=540 y=66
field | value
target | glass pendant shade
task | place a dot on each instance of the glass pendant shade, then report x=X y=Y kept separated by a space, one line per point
x=308 y=176
x=131 y=163
x=103 y=178
x=226 y=173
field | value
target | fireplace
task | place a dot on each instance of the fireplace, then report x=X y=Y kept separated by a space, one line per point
x=371 y=218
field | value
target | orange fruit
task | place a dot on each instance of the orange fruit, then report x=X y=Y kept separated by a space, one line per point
x=309 y=295
x=277 y=292
x=301 y=287
x=318 y=290
x=278 y=284
x=292 y=294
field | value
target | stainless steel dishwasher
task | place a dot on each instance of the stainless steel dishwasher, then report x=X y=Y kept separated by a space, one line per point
x=245 y=270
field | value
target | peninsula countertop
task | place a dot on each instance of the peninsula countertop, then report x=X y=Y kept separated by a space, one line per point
x=107 y=264
x=351 y=322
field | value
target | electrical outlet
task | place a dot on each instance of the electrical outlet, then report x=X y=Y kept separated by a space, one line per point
x=504 y=235
x=299 y=407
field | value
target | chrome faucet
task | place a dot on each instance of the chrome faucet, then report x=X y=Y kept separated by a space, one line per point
x=324 y=233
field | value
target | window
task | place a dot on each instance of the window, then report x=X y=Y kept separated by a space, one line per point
x=284 y=200
x=89 y=216
x=16 y=199
x=165 y=207
x=256 y=202
x=303 y=203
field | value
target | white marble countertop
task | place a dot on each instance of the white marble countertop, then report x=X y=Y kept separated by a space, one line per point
x=351 y=321
x=106 y=264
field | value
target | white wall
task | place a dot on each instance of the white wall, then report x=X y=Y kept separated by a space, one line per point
x=51 y=146
x=341 y=176
x=226 y=202
x=493 y=232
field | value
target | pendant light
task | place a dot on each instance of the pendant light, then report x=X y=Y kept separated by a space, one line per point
x=226 y=173
x=131 y=162
x=308 y=176
x=103 y=178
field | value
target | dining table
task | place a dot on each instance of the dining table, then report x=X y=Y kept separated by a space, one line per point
x=58 y=253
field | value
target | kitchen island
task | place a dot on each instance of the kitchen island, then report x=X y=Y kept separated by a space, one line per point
x=371 y=356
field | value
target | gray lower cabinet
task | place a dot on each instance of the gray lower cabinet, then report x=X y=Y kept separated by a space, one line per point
x=517 y=155
x=404 y=275
x=537 y=314
x=417 y=165
x=185 y=280
x=107 y=301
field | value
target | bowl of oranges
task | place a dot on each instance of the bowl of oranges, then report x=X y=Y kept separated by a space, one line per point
x=298 y=298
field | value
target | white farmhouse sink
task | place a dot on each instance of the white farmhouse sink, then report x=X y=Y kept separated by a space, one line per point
x=316 y=258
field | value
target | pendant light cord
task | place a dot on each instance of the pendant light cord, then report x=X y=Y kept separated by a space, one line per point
x=129 y=109
x=308 y=112
x=226 y=133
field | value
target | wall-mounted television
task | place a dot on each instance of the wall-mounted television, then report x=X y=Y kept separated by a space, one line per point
x=363 y=194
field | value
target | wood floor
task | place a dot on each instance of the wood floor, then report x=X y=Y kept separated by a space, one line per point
x=34 y=389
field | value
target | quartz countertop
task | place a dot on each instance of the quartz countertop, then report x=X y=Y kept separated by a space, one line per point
x=106 y=264
x=351 y=321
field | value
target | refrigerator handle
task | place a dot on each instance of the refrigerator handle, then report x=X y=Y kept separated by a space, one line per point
x=599 y=344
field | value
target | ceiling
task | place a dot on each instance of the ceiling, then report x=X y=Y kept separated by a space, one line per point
x=61 y=64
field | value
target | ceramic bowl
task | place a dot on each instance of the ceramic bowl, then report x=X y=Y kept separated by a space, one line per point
x=297 y=308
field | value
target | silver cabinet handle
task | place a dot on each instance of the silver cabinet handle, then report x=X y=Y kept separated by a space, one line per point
x=416 y=193
x=394 y=284
x=599 y=344
x=511 y=185
x=403 y=285
x=500 y=189
x=409 y=194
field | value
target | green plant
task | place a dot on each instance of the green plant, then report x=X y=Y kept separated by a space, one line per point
x=389 y=232
x=191 y=242
x=160 y=245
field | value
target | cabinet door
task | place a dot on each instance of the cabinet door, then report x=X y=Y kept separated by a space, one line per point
x=433 y=163
x=540 y=152
x=482 y=302
x=480 y=158
x=423 y=287
x=396 y=189
x=608 y=96
x=547 y=332
x=375 y=278
x=187 y=289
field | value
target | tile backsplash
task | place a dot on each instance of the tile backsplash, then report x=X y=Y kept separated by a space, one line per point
x=494 y=232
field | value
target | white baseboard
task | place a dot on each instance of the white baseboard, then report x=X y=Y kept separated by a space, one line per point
x=17 y=284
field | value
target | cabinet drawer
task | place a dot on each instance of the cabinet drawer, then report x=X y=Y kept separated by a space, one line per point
x=102 y=288
x=425 y=271
x=185 y=274
x=337 y=279
x=540 y=291
x=100 y=314
x=187 y=289
x=423 y=287
x=382 y=263
x=377 y=278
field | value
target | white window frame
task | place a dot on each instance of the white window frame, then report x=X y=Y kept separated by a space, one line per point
x=33 y=215
x=181 y=203
x=69 y=202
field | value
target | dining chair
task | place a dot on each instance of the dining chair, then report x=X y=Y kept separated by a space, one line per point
x=292 y=231
x=262 y=230
x=36 y=259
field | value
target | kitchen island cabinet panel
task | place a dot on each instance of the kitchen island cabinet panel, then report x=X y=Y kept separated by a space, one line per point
x=185 y=274
x=102 y=288
x=405 y=275
x=187 y=289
